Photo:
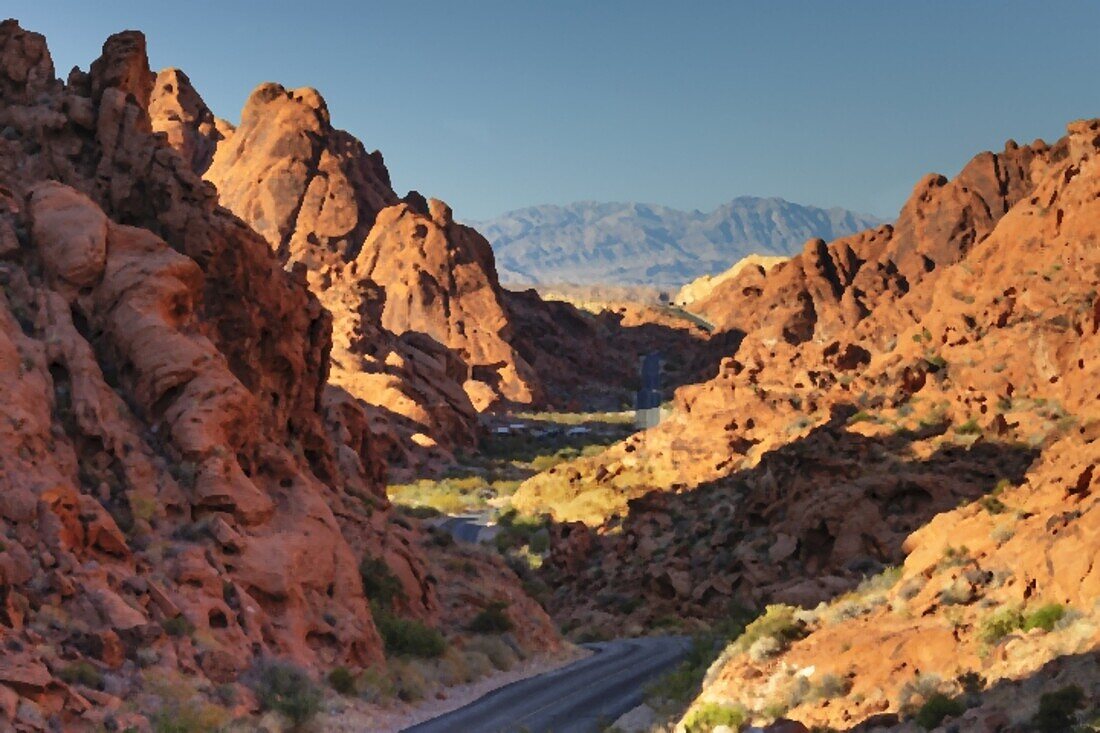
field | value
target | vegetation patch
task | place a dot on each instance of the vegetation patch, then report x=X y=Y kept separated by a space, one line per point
x=778 y=623
x=938 y=708
x=493 y=619
x=708 y=716
x=1007 y=620
x=82 y=673
x=380 y=585
x=287 y=689
x=408 y=637
x=342 y=680
x=1057 y=710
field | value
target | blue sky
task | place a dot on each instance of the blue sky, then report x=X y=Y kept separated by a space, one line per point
x=498 y=105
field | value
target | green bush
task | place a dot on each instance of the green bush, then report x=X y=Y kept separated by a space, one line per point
x=1000 y=624
x=286 y=689
x=499 y=653
x=1004 y=622
x=192 y=716
x=777 y=622
x=1057 y=709
x=992 y=504
x=376 y=686
x=493 y=619
x=936 y=709
x=342 y=680
x=380 y=585
x=861 y=416
x=82 y=673
x=177 y=626
x=970 y=427
x=1044 y=617
x=409 y=681
x=708 y=716
x=408 y=636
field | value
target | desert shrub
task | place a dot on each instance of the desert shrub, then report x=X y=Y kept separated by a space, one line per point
x=954 y=557
x=540 y=541
x=861 y=416
x=185 y=473
x=375 y=685
x=409 y=681
x=380 y=585
x=421 y=512
x=1057 y=709
x=452 y=669
x=708 y=716
x=936 y=361
x=992 y=504
x=82 y=673
x=1004 y=622
x=286 y=689
x=970 y=427
x=1044 y=617
x=408 y=636
x=778 y=622
x=938 y=707
x=917 y=691
x=177 y=626
x=478 y=663
x=342 y=680
x=499 y=653
x=196 y=716
x=180 y=708
x=493 y=619
x=884 y=581
x=830 y=686
x=1000 y=624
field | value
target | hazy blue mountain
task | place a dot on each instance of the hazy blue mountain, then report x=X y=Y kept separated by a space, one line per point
x=641 y=244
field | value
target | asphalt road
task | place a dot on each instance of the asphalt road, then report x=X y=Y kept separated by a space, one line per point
x=471 y=528
x=580 y=698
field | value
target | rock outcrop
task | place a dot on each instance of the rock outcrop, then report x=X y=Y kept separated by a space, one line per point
x=701 y=288
x=852 y=415
x=424 y=334
x=181 y=490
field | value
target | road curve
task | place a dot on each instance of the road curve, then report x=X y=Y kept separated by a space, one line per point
x=578 y=698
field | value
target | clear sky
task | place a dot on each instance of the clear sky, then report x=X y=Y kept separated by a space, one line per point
x=498 y=105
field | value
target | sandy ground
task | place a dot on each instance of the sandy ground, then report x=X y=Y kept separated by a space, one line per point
x=352 y=716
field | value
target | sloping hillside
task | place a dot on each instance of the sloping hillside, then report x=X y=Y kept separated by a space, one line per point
x=843 y=437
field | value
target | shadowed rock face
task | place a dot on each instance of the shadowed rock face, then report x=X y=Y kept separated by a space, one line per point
x=171 y=455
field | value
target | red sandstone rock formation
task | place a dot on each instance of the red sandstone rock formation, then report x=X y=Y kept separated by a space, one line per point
x=171 y=455
x=419 y=314
x=832 y=434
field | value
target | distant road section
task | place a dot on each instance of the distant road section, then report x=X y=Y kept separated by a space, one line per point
x=580 y=698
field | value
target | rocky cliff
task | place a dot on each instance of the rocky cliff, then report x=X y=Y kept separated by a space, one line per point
x=424 y=333
x=994 y=605
x=919 y=394
x=181 y=491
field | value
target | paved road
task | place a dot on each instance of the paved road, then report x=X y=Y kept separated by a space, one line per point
x=579 y=698
x=471 y=528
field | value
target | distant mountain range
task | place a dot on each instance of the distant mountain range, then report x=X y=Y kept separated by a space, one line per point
x=642 y=244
